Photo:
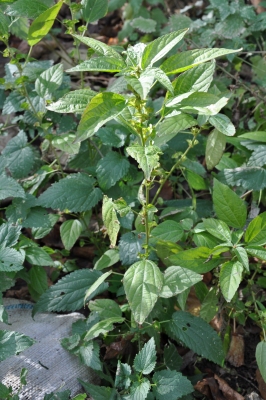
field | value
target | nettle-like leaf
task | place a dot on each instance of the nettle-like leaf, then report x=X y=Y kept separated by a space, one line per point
x=65 y=143
x=197 y=335
x=168 y=230
x=9 y=235
x=13 y=103
x=75 y=193
x=172 y=359
x=94 y=9
x=102 y=327
x=11 y=260
x=102 y=108
x=170 y=126
x=250 y=178
x=223 y=124
x=111 y=168
x=4 y=23
x=228 y=206
x=70 y=232
x=143 y=84
x=145 y=25
x=49 y=81
x=258 y=158
x=68 y=293
x=12 y=343
x=178 y=279
x=147 y=157
x=130 y=245
x=145 y=360
x=122 y=377
x=18 y=156
x=157 y=49
x=43 y=23
x=171 y=385
x=106 y=308
x=188 y=59
x=110 y=220
x=261 y=358
x=99 y=47
x=230 y=278
x=38 y=256
x=242 y=256
x=38 y=282
x=100 y=64
x=73 y=102
x=143 y=282
x=215 y=146
x=256 y=231
x=203 y=103
x=90 y=355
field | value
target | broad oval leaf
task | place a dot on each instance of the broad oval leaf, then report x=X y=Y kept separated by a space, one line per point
x=10 y=260
x=102 y=327
x=147 y=157
x=43 y=23
x=223 y=124
x=26 y=8
x=168 y=230
x=197 y=335
x=111 y=169
x=102 y=108
x=256 y=231
x=106 y=308
x=110 y=220
x=65 y=143
x=257 y=251
x=170 y=126
x=49 y=81
x=215 y=146
x=109 y=258
x=170 y=385
x=261 y=358
x=178 y=279
x=230 y=278
x=103 y=64
x=70 y=232
x=198 y=260
x=218 y=229
x=250 y=178
x=73 y=102
x=94 y=9
x=142 y=282
x=145 y=360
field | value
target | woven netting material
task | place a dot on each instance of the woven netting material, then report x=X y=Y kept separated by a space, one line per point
x=62 y=369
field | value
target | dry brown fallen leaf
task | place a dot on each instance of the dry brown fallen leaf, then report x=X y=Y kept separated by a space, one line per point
x=217 y=389
x=235 y=353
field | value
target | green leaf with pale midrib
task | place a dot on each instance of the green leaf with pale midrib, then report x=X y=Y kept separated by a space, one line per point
x=250 y=178
x=145 y=360
x=178 y=279
x=70 y=232
x=101 y=64
x=99 y=47
x=94 y=9
x=230 y=278
x=147 y=157
x=73 y=102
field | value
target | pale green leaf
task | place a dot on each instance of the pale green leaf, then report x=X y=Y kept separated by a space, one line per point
x=99 y=47
x=68 y=293
x=13 y=343
x=261 y=358
x=102 y=108
x=106 y=308
x=96 y=285
x=110 y=220
x=198 y=260
x=65 y=143
x=147 y=157
x=170 y=126
x=139 y=390
x=70 y=232
x=143 y=84
x=178 y=279
x=100 y=64
x=230 y=278
x=122 y=377
x=223 y=124
x=94 y=9
x=168 y=230
x=13 y=103
x=73 y=102
x=4 y=23
x=258 y=157
x=258 y=136
x=10 y=260
x=9 y=235
x=228 y=206
x=75 y=193
x=170 y=385
x=145 y=360
x=187 y=59
x=111 y=169
x=203 y=103
x=43 y=23
x=197 y=335
x=38 y=256
x=109 y=258
x=242 y=256
x=157 y=49
x=218 y=229
x=215 y=146
x=102 y=327
x=90 y=355
x=250 y=178
x=145 y=25
x=142 y=282
x=49 y=81
x=257 y=251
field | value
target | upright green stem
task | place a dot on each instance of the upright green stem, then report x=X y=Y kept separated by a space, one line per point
x=147 y=229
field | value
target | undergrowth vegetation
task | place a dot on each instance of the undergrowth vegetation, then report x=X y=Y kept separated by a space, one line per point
x=176 y=114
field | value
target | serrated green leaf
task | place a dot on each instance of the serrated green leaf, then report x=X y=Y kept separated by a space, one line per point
x=111 y=169
x=65 y=143
x=102 y=108
x=172 y=359
x=250 y=178
x=139 y=390
x=9 y=235
x=94 y=9
x=122 y=377
x=38 y=256
x=242 y=257
x=223 y=124
x=209 y=307
x=178 y=279
x=99 y=47
x=261 y=358
x=70 y=232
x=99 y=392
x=188 y=59
x=147 y=157
x=75 y=193
x=145 y=360
x=109 y=258
x=257 y=251
x=170 y=126
x=93 y=288
x=157 y=49
x=145 y=25
x=49 y=81
x=26 y=8
x=197 y=335
x=39 y=233
x=215 y=146
x=203 y=103
x=258 y=136
x=258 y=158
x=142 y=282
x=106 y=308
x=100 y=64
x=102 y=327
x=168 y=230
x=228 y=206
x=90 y=355
x=198 y=260
x=10 y=260
x=143 y=84
x=18 y=156
x=4 y=23
x=13 y=103
x=68 y=293
x=36 y=217
x=43 y=23
x=170 y=384
x=130 y=245
x=12 y=343
x=38 y=282
x=113 y=135
x=110 y=220
x=218 y=229
x=230 y=278
x=73 y=102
